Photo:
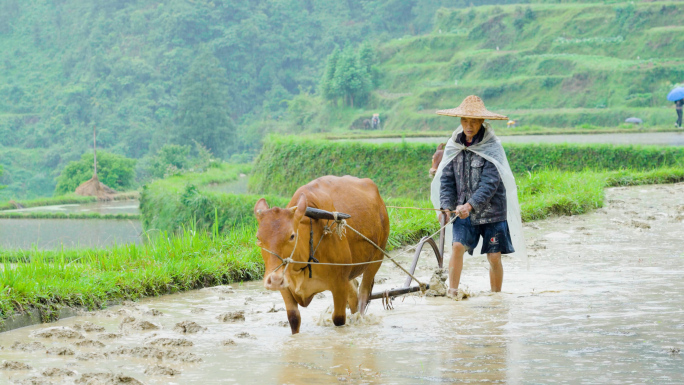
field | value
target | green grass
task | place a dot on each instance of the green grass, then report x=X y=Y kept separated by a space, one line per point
x=401 y=169
x=90 y=278
x=171 y=203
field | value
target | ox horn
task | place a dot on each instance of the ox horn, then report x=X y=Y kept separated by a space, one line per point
x=294 y=209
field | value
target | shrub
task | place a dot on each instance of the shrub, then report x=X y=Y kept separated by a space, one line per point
x=115 y=171
x=401 y=170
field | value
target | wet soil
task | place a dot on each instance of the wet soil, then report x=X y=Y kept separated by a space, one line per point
x=600 y=303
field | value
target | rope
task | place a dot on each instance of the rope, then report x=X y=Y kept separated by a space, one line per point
x=414 y=208
x=341 y=223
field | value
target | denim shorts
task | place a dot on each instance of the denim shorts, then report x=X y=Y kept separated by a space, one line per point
x=495 y=236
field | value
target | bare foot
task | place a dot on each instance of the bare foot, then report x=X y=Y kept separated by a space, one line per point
x=457 y=295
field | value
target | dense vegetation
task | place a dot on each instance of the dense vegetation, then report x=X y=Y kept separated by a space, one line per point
x=401 y=170
x=138 y=70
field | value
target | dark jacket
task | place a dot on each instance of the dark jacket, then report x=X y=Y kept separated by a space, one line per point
x=469 y=178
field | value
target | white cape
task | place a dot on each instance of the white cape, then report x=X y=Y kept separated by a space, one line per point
x=489 y=148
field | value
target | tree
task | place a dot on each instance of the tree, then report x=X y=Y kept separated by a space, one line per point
x=328 y=89
x=367 y=56
x=203 y=106
x=351 y=79
x=1 y=171
x=113 y=170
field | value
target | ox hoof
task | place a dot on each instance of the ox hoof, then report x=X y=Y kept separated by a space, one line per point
x=339 y=321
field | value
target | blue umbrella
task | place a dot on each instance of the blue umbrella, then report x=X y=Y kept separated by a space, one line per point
x=676 y=94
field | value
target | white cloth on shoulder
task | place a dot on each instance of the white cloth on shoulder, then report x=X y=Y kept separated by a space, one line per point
x=491 y=149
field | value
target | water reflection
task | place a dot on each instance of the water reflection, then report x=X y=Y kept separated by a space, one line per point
x=70 y=233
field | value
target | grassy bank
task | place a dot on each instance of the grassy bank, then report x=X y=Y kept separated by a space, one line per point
x=172 y=203
x=401 y=169
x=90 y=278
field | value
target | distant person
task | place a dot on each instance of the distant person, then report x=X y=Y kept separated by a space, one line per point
x=474 y=182
x=375 y=121
x=678 y=106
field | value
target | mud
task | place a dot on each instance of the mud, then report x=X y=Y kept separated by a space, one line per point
x=159 y=370
x=438 y=287
x=58 y=372
x=106 y=379
x=89 y=344
x=130 y=323
x=600 y=303
x=14 y=365
x=30 y=347
x=60 y=351
x=236 y=316
x=56 y=332
x=170 y=342
x=188 y=327
x=88 y=327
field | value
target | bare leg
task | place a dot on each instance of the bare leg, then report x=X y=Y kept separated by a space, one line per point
x=455 y=268
x=496 y=271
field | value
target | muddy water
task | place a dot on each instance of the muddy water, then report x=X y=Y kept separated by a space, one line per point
x=602 y=302
x=655 y=138
x=55 y=233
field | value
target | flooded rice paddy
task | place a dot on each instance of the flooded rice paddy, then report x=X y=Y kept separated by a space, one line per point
x=71 y=233
x=68 y=233
x=104 y=207
x=601 y=303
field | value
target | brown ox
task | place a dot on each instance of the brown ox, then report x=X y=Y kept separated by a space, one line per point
x=285 y=232
x=437 y=159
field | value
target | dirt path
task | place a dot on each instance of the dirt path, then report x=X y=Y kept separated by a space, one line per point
x=600 y=303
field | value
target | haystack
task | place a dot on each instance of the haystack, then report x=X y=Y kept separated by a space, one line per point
x=95 y=188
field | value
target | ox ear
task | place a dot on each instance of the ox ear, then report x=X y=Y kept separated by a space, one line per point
x=260 y=207
x=300 y=209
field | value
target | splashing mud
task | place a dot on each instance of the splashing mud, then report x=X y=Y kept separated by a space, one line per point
x=600 y=303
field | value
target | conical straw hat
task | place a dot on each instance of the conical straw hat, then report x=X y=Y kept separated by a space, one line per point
x=472 y=107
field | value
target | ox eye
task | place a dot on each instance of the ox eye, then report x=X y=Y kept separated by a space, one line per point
x=292 y=237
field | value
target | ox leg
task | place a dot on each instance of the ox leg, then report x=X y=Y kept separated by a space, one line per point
x=339 y=316
x=292 y=311
x=367 y=285
x=353 y=296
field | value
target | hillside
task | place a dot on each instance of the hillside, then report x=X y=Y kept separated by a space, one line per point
x=122 y=65
x=552 y=65
x=126 y=66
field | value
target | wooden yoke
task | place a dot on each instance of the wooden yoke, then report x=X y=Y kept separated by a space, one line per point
x=323 y=214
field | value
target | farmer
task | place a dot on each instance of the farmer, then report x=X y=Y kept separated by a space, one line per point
x=475 y=184
x=678 y=106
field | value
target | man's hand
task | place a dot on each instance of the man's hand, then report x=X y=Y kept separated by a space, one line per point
x=463 y=211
